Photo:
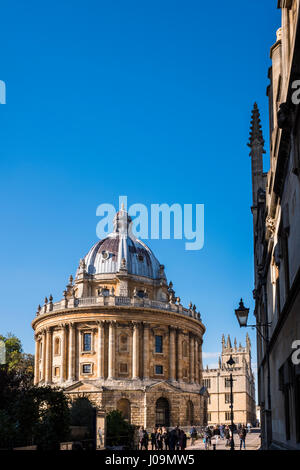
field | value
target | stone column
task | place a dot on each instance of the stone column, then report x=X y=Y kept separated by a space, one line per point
x=172 y=359
x=146 y=350
x=179 y=355
x=135 y=351
x=48 y=359
x=44 y=355
x=200 y=361
x=63 y=354
x=111 y=350
x=72 y=352
x=37 y=361
x=101 y=350
x=196 y=362
x=192 y=359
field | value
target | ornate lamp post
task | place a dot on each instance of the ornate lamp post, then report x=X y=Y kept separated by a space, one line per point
x=242 y=316
x=231 y=363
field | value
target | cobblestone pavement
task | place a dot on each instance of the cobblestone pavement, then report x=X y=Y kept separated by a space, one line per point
x=252 y=442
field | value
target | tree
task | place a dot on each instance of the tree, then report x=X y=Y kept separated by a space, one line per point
x=17 y=360
x=119 y=431
x=31 y=415
x=82 y=413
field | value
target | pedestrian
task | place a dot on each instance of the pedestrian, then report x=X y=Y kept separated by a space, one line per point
x=165 y=438
x=182 y=440
x=207 y=438
x=242 y=436
x=177 y=445
x=249 y=427
x=227 y=436
x=145 y=440
x=153 y=439
x=159 y=440
x=141 y=435
x=222 y=428
x=216 y=434
x=193 y=434
x=172 y=439
x=100 y=434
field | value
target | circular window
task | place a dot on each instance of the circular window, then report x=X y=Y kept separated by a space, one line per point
x=105 y=254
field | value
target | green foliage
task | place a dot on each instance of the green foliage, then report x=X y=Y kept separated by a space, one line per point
x=83 y=414
x=119 y=431
x=28 y=414
x=18 y=361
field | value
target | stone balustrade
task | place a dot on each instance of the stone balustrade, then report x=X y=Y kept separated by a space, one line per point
x=112 y=300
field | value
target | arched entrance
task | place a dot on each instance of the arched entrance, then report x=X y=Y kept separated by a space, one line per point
x=123 y=406
x=190 y=413
x=162 y=412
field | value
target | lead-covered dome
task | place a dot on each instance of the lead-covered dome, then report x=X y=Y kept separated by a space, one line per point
x=121 y=250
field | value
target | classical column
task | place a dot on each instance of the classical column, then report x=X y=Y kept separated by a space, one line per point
x=111 y=350
x=72 y=352
x=192 y=359
x=135 y=351
x=172 y=359
x=63 y=354
x=146 y=350
x=37 y=361
x=196 y=362
x=48 y=359
x=44 y=355
x=200 y=361
x=179 y=355
x=101 y=350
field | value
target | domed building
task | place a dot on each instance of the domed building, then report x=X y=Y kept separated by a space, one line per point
x=121 y=337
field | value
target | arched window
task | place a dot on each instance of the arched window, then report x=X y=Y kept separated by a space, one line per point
x=162 y=412
x=123 y=343
x=56 y=346
x=123 y=406
x=184 y=349
x=189 y=413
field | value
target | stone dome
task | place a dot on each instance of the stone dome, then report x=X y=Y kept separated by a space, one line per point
x=121 y=250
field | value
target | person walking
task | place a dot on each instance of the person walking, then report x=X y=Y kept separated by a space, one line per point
x=227 y=436
x=165 y=438
x=182 y=440
x=222 y=428
x=207 y=438
x=172 y=439
x=159 y=440
x=193 y=434
x=249 y=427
x=145 y=440
x=153 y=439
x=242 y=436
x=141 y=435
x=216 y=434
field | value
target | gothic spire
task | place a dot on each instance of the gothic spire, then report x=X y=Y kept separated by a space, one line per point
x=256 y=135
x=228 y=342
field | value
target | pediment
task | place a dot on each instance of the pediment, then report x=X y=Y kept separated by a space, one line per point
x=163 y=386
x=83 y=387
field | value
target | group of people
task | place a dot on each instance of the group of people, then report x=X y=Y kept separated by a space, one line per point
x=225 y=432
x=162 y=439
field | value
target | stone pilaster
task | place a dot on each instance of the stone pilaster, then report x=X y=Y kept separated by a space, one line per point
x=101 y=350
x=196 y=368
x=37 y=361
x=192 y=359
x=135 y=351
x=72 y=352
x=179 y=355
x=172 y=358
x=111 y=349
x=146 y=350
x=63 y=354
x=48 y=359
x=43 y=355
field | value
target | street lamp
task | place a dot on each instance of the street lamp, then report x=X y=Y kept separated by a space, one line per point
x=242 y=315
x=231 y=363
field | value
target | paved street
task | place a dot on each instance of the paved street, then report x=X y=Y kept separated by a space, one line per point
x=252 y=442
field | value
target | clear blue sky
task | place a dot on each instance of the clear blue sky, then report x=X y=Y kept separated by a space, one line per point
x=150 y=99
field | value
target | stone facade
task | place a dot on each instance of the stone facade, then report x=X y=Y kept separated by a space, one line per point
x=121 y=337
x=276 y=222
x=217 y=383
